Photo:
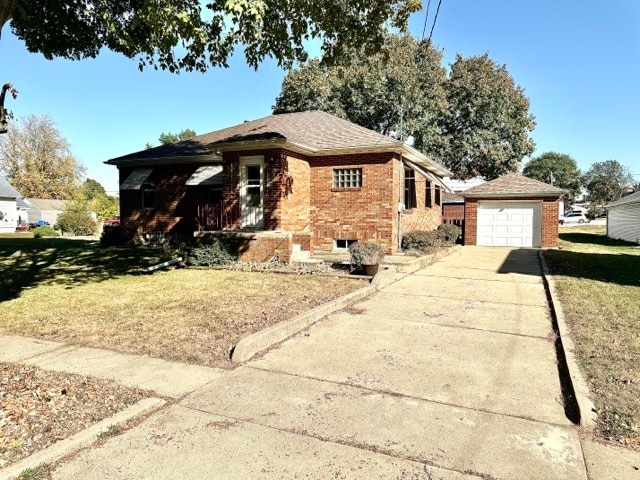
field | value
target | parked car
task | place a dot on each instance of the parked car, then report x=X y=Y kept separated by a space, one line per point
x=574 y=217
x=112 y=222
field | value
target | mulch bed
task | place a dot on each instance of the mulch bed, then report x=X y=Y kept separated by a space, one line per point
x=38 y=407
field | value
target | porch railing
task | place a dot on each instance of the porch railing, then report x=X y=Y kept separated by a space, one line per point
x=210 y=217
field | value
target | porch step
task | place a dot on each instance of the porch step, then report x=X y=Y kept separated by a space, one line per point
x=307 y=261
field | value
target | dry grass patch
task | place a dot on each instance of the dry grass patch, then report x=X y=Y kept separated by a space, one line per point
x=598 y=281
x=186 y=315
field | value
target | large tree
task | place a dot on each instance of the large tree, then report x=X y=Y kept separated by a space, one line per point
x=606 y=181
x=95 y=199
x=558 y=169
x=194 y=35
x=398 y=92
x=488 y=122
x=37 y=160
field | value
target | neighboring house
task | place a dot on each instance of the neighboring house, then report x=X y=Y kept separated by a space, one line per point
x=457 y=186
x=11 y=207
x=453 y=209
x=45 y=209
x=623 y=218
x=296 y=182
x=512 y=211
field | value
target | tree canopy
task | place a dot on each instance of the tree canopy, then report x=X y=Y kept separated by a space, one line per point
x=37 y=160
x=192 y=35
x=488 y=121
x=606 y=181
x=558 y=169
x=93 y=198
x=398 y=91
x=167 y=138
x=475 y=120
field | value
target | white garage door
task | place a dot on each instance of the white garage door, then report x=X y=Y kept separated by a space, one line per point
x=509 y=224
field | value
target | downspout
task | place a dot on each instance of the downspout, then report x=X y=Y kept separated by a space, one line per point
x=400 y=204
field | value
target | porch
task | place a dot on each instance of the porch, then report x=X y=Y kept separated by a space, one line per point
x=213 y=217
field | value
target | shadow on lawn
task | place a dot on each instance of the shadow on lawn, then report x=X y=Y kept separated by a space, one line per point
x=620 y=269
x=594 y=239
x=29 y=262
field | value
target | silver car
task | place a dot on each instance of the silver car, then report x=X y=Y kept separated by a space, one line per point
x=574 y=217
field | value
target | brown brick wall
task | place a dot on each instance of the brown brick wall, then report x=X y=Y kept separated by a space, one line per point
x=175 y=203
x=362 y=214
x=549 y=231
x=420 y=217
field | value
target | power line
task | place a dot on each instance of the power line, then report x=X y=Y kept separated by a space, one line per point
x=426 y=19
x=435 y=19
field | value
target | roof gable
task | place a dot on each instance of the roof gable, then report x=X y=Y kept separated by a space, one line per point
x=513 y=185
x=7 y=190
x=633 y=198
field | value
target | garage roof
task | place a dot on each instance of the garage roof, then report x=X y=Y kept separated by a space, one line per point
x=633 y=198
x=513 y=185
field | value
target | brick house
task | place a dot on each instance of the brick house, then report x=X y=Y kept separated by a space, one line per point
x=284 y=185
x=512 y=210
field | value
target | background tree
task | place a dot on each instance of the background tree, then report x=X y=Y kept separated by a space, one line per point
x=488 y=122
x=37 y=160
x=398 y=92
x=558 y=169
x=166 y=138
x=93 y=194
x=77 y=219
x=605 y=181
x=193 y=35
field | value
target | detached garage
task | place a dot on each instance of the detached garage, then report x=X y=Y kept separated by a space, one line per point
x=623 y=218
x=512 y=211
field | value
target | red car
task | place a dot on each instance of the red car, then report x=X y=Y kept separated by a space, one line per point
x=112 y=222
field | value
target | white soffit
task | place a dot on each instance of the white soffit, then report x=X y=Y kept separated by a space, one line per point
x=136 y=178
x=207 y=175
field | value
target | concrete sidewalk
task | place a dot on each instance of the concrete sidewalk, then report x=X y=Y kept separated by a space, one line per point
x=449 y=373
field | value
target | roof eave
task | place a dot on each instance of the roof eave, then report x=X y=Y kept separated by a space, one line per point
x=136 y=162
x=542 y=194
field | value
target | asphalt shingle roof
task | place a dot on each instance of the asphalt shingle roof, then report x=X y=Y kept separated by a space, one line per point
x=513 y=184
x=6 y=189
x=633 y=198
x=314 y=131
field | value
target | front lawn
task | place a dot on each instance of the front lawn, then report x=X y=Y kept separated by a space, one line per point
x=75 y=291
x=598 y=280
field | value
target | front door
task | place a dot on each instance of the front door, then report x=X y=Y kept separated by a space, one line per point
x=252 y=191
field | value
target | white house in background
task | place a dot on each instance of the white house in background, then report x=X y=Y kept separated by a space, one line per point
x=45 y=209
x=12 y=208
x=623 y=218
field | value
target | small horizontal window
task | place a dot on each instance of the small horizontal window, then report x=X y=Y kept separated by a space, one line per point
x=347 y=178
x=343 y=243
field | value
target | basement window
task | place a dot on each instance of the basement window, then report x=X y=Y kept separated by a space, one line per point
x=343 y=243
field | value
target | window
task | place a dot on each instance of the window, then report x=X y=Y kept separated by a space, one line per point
x=437 y=199
x=428 y=199
x=148 y=196
x=409 y=189
x=343 y=243
x=347 y=178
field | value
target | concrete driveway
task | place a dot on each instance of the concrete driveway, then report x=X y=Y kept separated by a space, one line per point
x=448 y=373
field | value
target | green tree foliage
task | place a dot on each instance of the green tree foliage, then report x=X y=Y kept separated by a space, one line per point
x=93 y=194
x=37 y=160
x=192 y=35
x=558 y=169
x=488 y=121
x=606 y=181
x=398 y=91
x=166 y=138
x=76 y=218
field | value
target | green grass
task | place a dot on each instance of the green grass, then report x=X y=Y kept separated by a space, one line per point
x=75 y=291
x=598 y=280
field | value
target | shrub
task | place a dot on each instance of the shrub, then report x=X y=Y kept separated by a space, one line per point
x=45 y=231
x=450 y=232
x=423 y=241
x=212 y=251
x=365 y=253
x=115 y=237
x=77 y=222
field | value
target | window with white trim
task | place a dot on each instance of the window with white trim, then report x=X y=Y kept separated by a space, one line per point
x=409 y=189
x=347 y=177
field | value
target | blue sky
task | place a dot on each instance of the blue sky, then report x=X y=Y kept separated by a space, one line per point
x=578 y=61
